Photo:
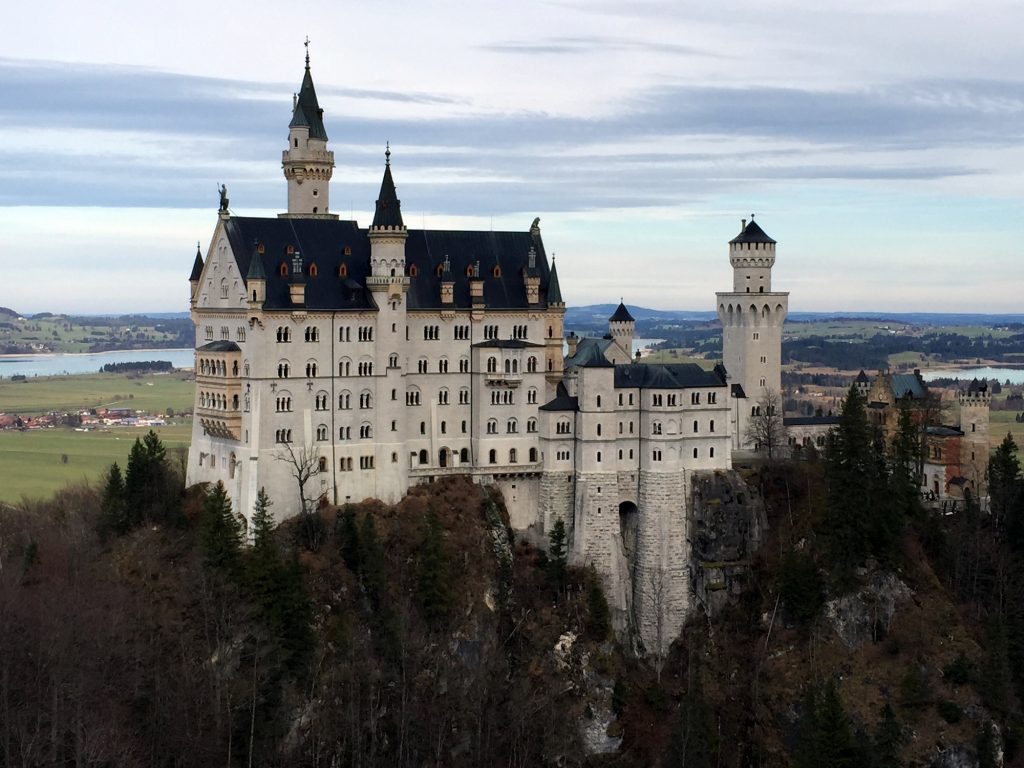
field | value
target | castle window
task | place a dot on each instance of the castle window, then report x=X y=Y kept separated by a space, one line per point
x=562 y=427
x=492 y=427
x=421 y=365
x=442 y=365
x=711 y=452
x=365 y=400
x=711 y=398
x=345 y=433
x=464 y=396
x=598 y=430
x=513 y=456
x=496 y=271
x=533 y=455
x=366 y=462
x=313 y=271
x=444 y=427
x=413 y=270
x=492 y=456
x=393 y=361
x=442 y=397
x=512 y=427
x=463 y=365
x=656 y=428
x=423 y=427
x=531 y=425
x=463 y=427
x=394 y=458
x=656 y=400
x=531 y=365
x=492 y=365
x=321 y=433
x=284 y=335
x=598 y=401
x=365 y=431
x=282 y=370
x=343 y=270
x=531 y=396
x=630 y=398
x=311 y=369
x=711 y=426
x=696 y=425
x=321 y=401
x=598 y=457
x=412 y=397
x=764 y=382
x=312 y=333
x=423 y=457
x=695 y=398
x=671 y=400
x=224 y=288
x=464 y=456
x=696 y=452
x=283 y=269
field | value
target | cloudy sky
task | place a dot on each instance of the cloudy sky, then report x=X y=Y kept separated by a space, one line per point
x=879 y=141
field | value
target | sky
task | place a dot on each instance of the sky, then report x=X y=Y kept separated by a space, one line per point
x=879 y=141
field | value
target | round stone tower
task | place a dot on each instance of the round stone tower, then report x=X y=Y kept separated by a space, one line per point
x=307 y=163
x=752 y=316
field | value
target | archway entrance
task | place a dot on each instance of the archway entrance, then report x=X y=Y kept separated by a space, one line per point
x=443 y=458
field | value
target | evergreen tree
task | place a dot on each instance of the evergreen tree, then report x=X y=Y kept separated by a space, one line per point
x=135 y=484
x=432 y=583
x=858 y=520
x=836 y=747
x=219 y=530
x=349 y=538
x=888 y=740
x=557 y=567
x=113 y=513
x=150 y=493
x=264 y=559
x=904 y=459
x=599 y=621
x=1004 y=487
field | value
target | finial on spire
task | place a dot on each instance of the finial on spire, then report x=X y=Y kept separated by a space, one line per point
x=751 y=217
x=307 y=51
x=387 y=153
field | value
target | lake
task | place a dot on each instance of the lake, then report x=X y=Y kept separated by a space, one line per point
x=59 y=365
x=1002 y=375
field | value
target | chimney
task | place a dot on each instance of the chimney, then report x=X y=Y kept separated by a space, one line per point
x=743 y=225
x=574 y=341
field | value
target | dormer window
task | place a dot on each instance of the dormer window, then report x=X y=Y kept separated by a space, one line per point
x=283 y=269
x=413 y=271
x=261 y=248
x=496 y=271
x=313 y=270
x=343 y=270
x=290 y=250
x=348 y=250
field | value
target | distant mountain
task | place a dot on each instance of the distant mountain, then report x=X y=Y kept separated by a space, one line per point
x=595 y=313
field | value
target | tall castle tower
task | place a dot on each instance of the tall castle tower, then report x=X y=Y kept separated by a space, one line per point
x=752 y=316
x=307 y=163
x=974 y=423
x=622 y=328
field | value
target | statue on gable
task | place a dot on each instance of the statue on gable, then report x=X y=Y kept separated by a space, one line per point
x=223 y=198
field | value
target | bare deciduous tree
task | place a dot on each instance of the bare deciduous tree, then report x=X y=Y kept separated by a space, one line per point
x=304 y=464
x=765 y=428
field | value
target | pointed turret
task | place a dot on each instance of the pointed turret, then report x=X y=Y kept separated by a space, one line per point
x=622 y=328
x=388 y=213
x=308 y=164
x=554 y=291
x=197 y=274
x=256 y=278
x=307 y=112
x=621 y=315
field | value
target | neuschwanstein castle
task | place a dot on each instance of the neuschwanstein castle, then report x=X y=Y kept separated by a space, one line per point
x=395 y=356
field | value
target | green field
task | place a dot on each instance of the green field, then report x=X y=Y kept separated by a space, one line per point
x=154 y=393
x=676 y=355
x=31 y=462
x=60 y=333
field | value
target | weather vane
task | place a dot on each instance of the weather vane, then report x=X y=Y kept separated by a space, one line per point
x=307 y=50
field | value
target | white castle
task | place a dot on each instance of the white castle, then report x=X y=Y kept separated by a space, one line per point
x=393 y=356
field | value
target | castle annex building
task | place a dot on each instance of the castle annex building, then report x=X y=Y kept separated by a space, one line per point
x=388 y=356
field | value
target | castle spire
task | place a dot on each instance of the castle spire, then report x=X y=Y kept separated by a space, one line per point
x=388 y=212
x=554 y=290
x=307 y=110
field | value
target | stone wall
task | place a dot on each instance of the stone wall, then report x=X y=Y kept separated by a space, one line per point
x=597 y=539
x=661 y=572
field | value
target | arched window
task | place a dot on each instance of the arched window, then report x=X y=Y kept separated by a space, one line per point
x=531 y=425
x=492 y=456
x=533 y=455
x=513 y=456
x=492 y=427
x=492 y=365
x=508 y=366
x=696 y=425
x=464 y=456
x=423 y=456
x=321 y=432
x=531 y=365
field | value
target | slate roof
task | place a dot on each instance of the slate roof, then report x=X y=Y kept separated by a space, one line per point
x=903 y=384
x=388 y=212
x=752 y=233
x=562 y=401
x=323 y=242
x=219 y=346
x=588 y=348
x=977 y=386
x=809 y=421
x=256 y=271
x=621 y=315
x=862 y=378
x=554 y=290
x=197 y=266
x=944 y=431
x=307 y=109
x=674 y=376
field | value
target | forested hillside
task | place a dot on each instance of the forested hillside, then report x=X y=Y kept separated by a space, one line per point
x=137 y=630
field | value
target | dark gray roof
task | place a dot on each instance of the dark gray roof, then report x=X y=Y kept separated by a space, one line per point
x=977 y=386
x=941 y=430
x=197 y=267
x=908 y=384
x=503 y=256
x=388 y=212
x=674 y=376
x=752 y=233
x=554 y=290
x=862 y=378
x=506 y=344
x=807 y=421
x=736 y=390
x=219 y=346
x=256 y=266
x=621 y=315
x=307 y=109
x=596 y=362
x=562 y=401
x=587 y=349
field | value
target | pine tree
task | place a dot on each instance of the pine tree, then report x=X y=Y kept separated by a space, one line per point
x=264 y=559
x=113 y=514
x=1004 y=487
x=599 y=622
x=135 y=484
x=887 y=741
x=904 y=456
x=219 y=530
x=349 y=538
x=432 y=583
x=836 y=747
x=557 y=568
